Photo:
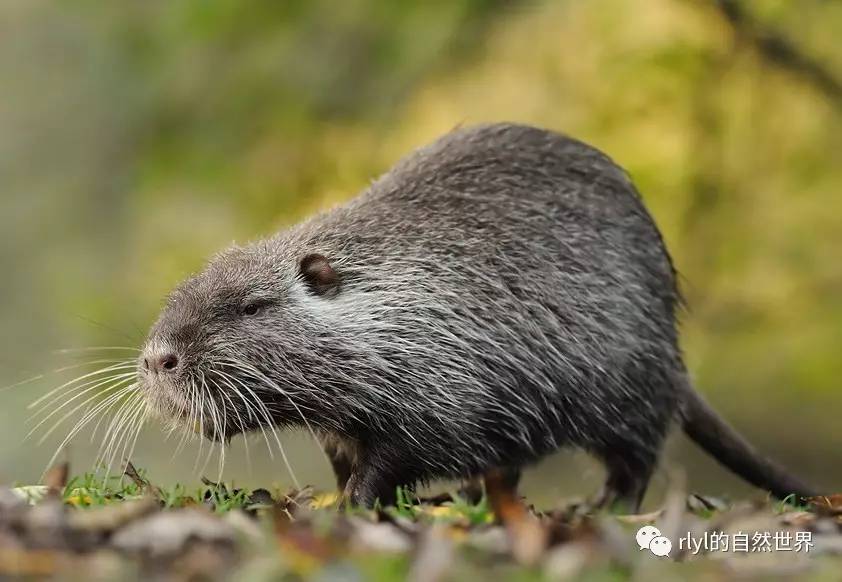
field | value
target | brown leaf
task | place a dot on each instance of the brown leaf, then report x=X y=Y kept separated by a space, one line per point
x=167 y=533
x=15 y=562
x=296 y=501
x=303 y=549
x=56 y=478
x=831 y=504
x=144 y=484
x=111 y=517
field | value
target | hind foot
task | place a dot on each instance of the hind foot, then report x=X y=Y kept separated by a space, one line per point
x=625 y=485
x=375 y=477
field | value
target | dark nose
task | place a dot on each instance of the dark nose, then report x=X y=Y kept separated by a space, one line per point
x=160 y=364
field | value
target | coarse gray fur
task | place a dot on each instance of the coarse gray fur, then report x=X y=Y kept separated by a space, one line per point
x=497 y=295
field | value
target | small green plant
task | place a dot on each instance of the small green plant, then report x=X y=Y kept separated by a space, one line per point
x=175 y=496
x=406 y=503
x=790 y=503
x=91 y=489
x=475 y=513
x=223 y=499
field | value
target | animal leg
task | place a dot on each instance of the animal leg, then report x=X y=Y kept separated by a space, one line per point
x=375 y=478
x=504 y=478
x=342 y=465
x=626 y=483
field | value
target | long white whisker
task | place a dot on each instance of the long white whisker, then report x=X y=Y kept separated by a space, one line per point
x=243 y=427
x=137 y=407
x=261 y=408
x=224 y=417
x=268 y=382
x=211 y=421
x=132 y=440
x=189 y=428
x=98 y=394
x=217 y=425
x=94 y=374
x=44 y=375
x=95 y=349
x=60 y=401
x=280 y=446
x=115 y=427
x=201 y=409
x=103 y=407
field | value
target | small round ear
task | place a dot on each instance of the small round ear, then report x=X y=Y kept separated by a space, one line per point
x=319 y=275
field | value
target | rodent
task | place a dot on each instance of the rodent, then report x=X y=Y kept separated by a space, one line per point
x=497 y=295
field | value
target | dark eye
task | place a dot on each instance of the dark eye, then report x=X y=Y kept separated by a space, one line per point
x=251 y=309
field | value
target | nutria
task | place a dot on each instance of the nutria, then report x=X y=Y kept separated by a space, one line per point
x=499 y=294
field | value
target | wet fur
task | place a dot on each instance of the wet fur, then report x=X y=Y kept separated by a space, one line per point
x=499 y=294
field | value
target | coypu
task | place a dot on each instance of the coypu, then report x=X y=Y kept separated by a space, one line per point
x=499 y=294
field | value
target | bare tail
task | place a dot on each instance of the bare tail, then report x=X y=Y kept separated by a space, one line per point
x=714 y=435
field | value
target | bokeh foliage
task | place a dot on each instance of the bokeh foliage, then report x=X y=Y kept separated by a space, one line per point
x=138 y=138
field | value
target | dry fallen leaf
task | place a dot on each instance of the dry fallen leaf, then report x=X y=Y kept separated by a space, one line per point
x=55 y=478
x=323 y=500
x=303 y=549
x=111 y=517
x=144 y=484
x=827 y=503
x=295 y=502
x=167 y=533
x=24 y=563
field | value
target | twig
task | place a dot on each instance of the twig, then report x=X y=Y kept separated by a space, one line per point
x=776 y=48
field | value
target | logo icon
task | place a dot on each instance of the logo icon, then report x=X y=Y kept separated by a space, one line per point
x=649 y=538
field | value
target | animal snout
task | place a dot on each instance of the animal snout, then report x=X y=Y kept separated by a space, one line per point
x=162 y=363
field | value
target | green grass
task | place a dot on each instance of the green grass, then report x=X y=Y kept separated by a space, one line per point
x=322 y=542
x=92 y=490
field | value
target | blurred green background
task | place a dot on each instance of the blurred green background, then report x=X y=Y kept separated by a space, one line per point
x=138 y=138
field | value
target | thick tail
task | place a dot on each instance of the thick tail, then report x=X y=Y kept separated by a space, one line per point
x=714 y=435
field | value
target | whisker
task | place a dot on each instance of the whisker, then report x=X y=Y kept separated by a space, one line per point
x=44 y=375
x=212 y=411
x=224 y=418
x=73 y=411
x=280 y=446
x=95 y=349
x=133 y=440
x=72 y=394
x=241 y=424
x=103 y=408
x=261 y=407
x=112 y=430
x=201 y=409
x=189 y=429
x=118 y=396
x=99 y=372
x=268 y=382
x=115 y=425
x=214 y=424
x=136 y=407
